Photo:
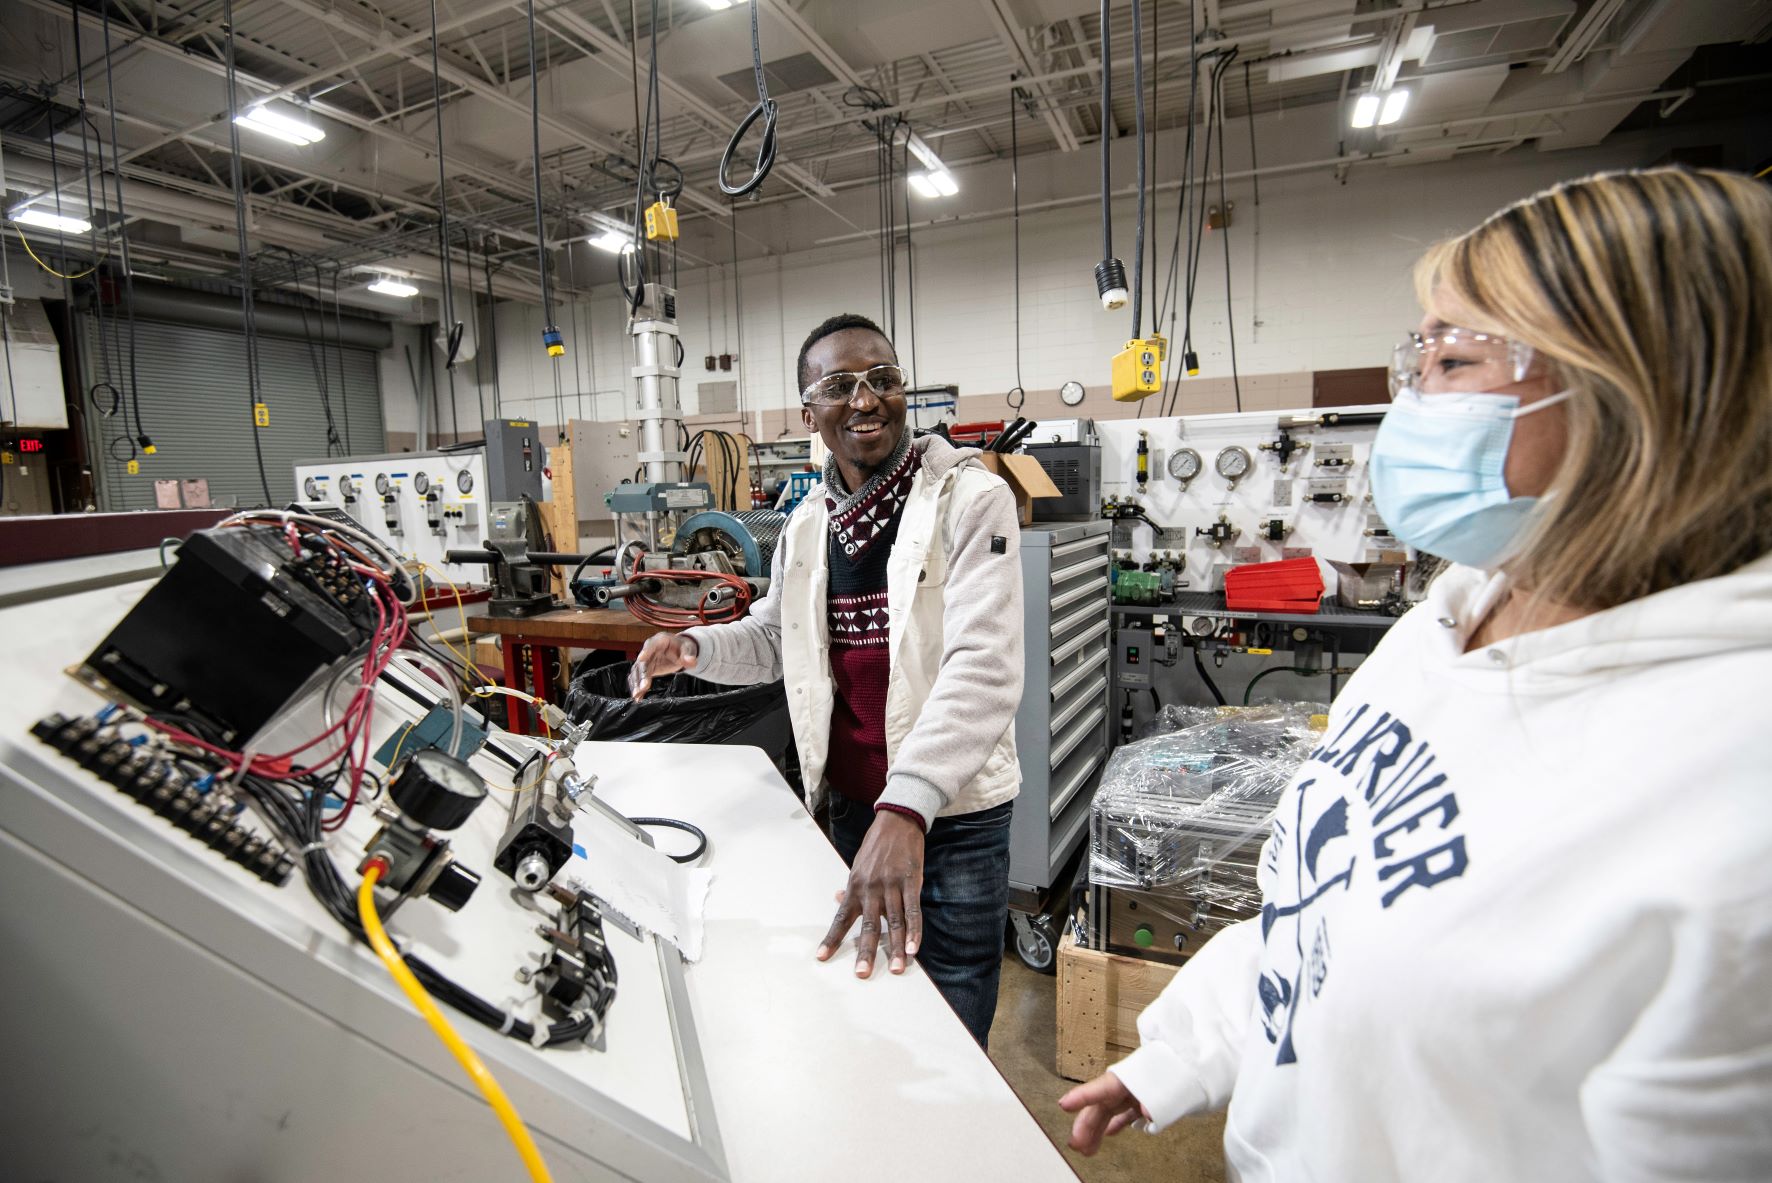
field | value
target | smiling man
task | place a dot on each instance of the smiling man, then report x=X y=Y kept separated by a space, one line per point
x=894 y=615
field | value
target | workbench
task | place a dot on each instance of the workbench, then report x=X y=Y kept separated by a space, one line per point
x=249 y=1036
x=527 y=640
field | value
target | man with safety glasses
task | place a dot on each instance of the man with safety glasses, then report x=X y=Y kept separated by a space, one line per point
x=894 y=616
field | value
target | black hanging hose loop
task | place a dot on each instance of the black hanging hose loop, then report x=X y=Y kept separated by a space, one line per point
x=670 y=189
x=764 y=110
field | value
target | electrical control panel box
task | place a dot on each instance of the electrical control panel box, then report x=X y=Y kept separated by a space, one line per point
x=1133 y=656
x=422 y=504
x=515 y=456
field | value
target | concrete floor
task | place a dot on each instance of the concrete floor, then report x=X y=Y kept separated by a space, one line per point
x=1024 y=1046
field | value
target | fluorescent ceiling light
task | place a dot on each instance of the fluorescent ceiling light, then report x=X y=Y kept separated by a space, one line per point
x=1366 y=110
x=387 y=285
x=50 y=220
x=280 y=126
x=925 y=153
x=1394 y=102
x=613 y=241
x=939 y=183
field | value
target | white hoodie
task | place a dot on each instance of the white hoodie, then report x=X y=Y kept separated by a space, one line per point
x=1517 y=912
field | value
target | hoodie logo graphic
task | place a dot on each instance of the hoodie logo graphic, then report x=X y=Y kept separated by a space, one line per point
x=1373 y=793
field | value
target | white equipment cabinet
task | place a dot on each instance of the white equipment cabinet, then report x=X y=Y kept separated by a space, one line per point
x=422 y=504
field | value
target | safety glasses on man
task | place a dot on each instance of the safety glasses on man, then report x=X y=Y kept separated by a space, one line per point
x=1451 y=360
x=886 y=381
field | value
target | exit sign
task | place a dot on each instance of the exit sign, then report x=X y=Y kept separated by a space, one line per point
x=27 y=447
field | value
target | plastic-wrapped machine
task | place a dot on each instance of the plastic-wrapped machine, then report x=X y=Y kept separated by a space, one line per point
x=1178 y=824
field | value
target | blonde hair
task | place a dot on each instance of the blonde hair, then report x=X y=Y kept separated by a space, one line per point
x=1650 y=294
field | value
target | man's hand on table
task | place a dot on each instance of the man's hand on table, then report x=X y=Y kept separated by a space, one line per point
x=885 y=887
x=663 y=653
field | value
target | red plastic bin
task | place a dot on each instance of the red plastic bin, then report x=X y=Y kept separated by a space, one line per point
x=1290 y=585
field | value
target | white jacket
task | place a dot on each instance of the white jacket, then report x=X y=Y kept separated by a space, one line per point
x=953 y=592
x=1517 y=918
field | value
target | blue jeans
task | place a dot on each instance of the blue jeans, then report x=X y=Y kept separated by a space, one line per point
x=965 y=902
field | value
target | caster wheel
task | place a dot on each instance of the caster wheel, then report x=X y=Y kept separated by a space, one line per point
x=1036 y=941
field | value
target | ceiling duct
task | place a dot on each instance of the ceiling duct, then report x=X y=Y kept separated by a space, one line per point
x=1496 y=28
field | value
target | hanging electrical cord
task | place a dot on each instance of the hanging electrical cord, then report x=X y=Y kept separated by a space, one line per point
x=452 y=327
x=1224 y=234
x=249 y=322
x=338 y=336
x=764 y=110
x=550 y=334
x=1018 y=395
x=910 y=254
x=738 y=302
x=1150 y=194
x=498 y=403
x=1255 y=220
x=1110 y=273
x=1138 y=114
x=142 y=437
x=467 y=245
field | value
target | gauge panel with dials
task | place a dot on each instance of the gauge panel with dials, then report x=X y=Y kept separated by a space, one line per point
x=1184 y=464
x=381 y=483
x=1232 y=464
x=421 y=482
x=464 y=482
x=1071 y=393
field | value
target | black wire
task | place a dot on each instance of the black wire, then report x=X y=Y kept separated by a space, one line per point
x=251 y=324
x=122 y=228
x=498 y=405
x=764 y=110
x=338 y=337
x=910 y=256
x=1017 y=397
x=671 y=823
x=541 y=233
x=1138 y=134
x=1107 y=117
x=467 y=244
x=1224 y=213
x=453 y=330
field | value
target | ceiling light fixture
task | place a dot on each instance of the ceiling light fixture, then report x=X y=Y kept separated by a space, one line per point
x=1394 y=102
x=613 y=241
x=276 y=124
x=717 y=5
x=938 y=183
x=1366 y=110
x=52 y=221
x=387 y=285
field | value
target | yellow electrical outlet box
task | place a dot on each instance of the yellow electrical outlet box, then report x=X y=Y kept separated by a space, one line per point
x=261 y=415
x=1138 y=370
x=133 y=467
x=661 y=221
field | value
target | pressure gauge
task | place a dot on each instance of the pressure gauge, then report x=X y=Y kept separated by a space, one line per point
x=381 y=482
x=1232 y=464
x=1184 y=464
x=1071 y=393
x=464 y=481
x=347 y=488
x=421 y=483
x=310 y=489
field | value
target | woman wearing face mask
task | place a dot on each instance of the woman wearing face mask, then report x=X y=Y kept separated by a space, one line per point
x=1517 y=906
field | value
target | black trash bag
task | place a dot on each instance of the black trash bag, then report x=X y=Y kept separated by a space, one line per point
x=680 y=708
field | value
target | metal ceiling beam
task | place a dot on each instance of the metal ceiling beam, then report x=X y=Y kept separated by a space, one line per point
x=574 y=131
x=1013 y=39
x=946 y=84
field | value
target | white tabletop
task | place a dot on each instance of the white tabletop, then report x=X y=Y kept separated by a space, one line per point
x=815 y=1073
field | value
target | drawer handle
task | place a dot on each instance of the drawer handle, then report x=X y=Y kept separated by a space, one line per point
x=1077 y=781
x=1079 y=642
x=1083 y=700
x=1077 y=735
x=1099 y=562
x=1067 y=683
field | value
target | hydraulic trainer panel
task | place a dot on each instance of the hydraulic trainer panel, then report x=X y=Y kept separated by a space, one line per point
x=422 y=504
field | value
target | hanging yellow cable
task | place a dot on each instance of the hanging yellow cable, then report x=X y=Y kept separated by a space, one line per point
x=46 y=266
x=464 y=1055
x=467 y=640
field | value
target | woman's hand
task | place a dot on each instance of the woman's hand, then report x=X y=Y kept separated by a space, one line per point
x=1103 y=1107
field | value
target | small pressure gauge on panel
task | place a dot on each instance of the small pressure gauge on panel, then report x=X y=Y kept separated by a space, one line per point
x=421 y=483
x=1071 y=393
x=1232 y=464
x=347 y=488
x=310 y=489
x=464 y=481
x=1184 y=465
x=381 y=483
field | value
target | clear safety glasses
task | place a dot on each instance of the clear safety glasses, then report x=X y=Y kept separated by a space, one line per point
x=1458 y=361
x=836 y=389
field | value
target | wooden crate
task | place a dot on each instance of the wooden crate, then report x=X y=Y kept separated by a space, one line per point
x=1100 y=996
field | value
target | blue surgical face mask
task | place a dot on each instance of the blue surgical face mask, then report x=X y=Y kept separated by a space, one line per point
x=1438 y=473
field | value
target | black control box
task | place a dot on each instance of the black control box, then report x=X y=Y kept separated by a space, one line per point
x=234 y=630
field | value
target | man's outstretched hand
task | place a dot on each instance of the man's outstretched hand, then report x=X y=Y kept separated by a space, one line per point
x=663 y=653
x=885 y=887
x=1103 y=1107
